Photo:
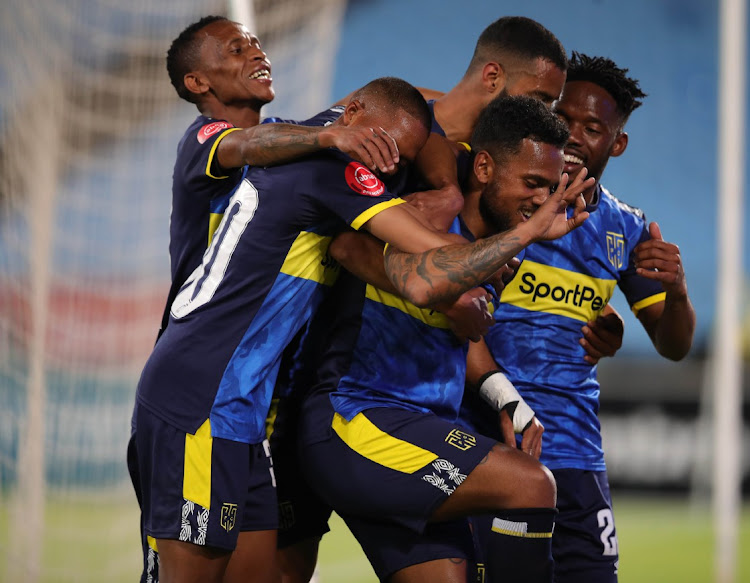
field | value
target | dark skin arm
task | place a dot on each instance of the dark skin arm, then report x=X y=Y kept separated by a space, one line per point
x=478 y=363
x=671 y=323
x=276 y=143
x=441 y=275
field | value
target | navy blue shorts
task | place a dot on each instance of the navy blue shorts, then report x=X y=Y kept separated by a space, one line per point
x=302 y=513
x=584 y=544
x=386 y=464
x=197 y=488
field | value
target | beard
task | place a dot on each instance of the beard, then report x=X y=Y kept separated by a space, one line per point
x=497 y=219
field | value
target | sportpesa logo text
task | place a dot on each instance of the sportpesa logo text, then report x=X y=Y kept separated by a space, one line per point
x=579 y=296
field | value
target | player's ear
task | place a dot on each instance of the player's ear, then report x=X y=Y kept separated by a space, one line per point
x=484 y=167
x=196 y=83
x=619 y=145
x=352 y=110
x=493 y=77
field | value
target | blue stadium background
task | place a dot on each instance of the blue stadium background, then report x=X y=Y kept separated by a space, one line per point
x=671 y=46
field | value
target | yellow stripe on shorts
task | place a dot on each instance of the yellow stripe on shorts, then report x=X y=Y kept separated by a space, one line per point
x=196 y=480
x=376 y=445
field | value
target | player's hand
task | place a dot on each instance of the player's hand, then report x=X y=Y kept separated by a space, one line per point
x=469 y=315
x=439 y=206
x=602 y=337
x=531 y=440
x=550 y=220
x=503 y=276
x=659 y=260
x=374 y=147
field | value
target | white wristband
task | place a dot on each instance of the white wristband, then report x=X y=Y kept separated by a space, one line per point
x=500 y=393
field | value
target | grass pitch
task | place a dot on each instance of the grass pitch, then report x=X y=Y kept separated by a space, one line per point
x=662 y=540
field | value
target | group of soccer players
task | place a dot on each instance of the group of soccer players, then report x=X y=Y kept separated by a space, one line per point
x=386 y=391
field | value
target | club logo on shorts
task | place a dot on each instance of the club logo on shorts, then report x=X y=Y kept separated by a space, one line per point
x=461 y=439
x=228 y=516
x=362 y=181
x=210 y=129
x=615 y=249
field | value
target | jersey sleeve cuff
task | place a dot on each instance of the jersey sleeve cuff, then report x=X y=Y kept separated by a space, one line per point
x=374 y=210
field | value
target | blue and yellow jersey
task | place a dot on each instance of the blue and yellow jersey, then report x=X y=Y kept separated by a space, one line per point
x=258 y=283
x=201 y=190
x=560 y=286
x=404 y=357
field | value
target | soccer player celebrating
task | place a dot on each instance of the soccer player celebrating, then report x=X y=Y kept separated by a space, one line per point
x=566 y=283
x=204 y=476
x=380 y=438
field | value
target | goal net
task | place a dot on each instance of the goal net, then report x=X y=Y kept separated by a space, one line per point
x=89 y=126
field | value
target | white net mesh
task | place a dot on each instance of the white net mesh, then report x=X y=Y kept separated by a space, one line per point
x=88 y=130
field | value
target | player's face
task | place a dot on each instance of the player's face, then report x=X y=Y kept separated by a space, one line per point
x=520 y=185
x=595 y=127
x=409 y=134
x=541 y=79
x=237 y=69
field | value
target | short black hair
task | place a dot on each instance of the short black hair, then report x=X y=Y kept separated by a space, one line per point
x=184 y=53
x=603 y=72
x=508 y=120
x=398 y=94
x=521 y=37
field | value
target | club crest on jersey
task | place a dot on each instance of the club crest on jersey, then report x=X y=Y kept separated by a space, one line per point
x=228 y=516
x=615 y=249
x=362 y=181
x=210 y=129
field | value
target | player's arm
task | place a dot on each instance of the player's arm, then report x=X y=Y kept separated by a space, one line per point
x=362 y=254
x=671 y=323
x=436 y=162
x=602 y=336
x=485 y=377
x=426 y=273
x=277 y=143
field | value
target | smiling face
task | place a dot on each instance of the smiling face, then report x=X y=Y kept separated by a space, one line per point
x=234 y=69
x=516 y=187
x=595 y=128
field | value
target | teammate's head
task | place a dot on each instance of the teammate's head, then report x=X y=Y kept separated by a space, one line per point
x=518 y=159
x=518 y=56
x=597 y=101
x=398 y=108
x=216 y=59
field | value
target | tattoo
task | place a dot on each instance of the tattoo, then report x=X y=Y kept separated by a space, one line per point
x=443 y=274
x=278 y=143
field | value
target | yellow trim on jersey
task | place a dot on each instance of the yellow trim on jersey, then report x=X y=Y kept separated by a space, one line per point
x=649 y=301
x=374 y=210
x=427 y=316
x=213 y=151
x=308 y=259
x=214 y=219
x=369 y=441
x=196 y=480
x=273 y=412
x=543 y=288
x=151 y=541
x=466 y=146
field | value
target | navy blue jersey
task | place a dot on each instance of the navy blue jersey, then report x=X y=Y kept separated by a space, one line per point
x=201 y=190
x=561 y=285
x=258 y=283
x=197 y=180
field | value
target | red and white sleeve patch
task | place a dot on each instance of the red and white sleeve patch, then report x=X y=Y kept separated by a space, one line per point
x=210 y=129
x=362 y=181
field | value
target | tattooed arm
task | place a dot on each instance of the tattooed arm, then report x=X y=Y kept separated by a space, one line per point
x=276 y=143
x=426 y=273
